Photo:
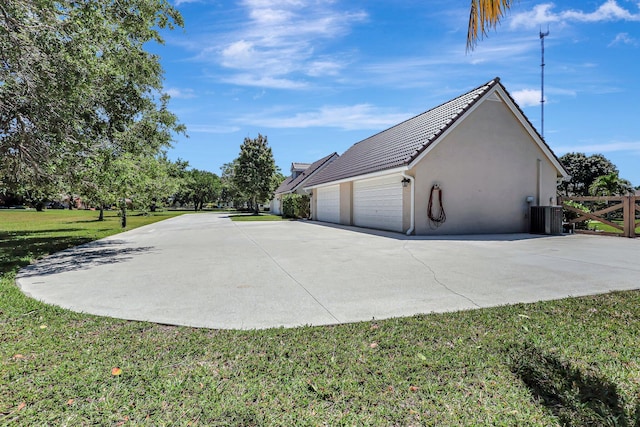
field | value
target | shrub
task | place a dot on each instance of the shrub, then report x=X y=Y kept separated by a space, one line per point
x=296 y=206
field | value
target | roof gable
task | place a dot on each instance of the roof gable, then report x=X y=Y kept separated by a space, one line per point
x=291 y=183
x=401 y=144
x=406 y=143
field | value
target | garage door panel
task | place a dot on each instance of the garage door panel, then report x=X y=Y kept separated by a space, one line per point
x=378 y=203
x=328 y=204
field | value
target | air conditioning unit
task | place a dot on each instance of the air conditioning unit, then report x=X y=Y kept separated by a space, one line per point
x=546 y=220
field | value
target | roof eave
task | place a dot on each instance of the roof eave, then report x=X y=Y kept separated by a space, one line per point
x=377 y=174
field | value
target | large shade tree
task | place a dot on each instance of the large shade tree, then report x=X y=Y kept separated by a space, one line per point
x=583 y=171
x=74 y=77
x=199 y=187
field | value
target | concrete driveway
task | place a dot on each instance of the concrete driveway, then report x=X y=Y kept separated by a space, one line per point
x=205 y=270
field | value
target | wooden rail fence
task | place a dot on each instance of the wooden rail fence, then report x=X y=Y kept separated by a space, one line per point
x=628 y=204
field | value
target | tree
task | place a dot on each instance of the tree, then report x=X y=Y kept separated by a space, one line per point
x=73 y=75
x=229 y=192
x=610 y=185
x=200 y=187
x=583 y=172
x=483 y=16
x=131 y=164
x=277 y=179
x=253 y=172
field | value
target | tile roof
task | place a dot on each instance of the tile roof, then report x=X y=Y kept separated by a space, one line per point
x=290 y=184
x=401 y=144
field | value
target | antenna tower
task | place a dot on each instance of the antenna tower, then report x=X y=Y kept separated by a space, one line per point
x=542 y=36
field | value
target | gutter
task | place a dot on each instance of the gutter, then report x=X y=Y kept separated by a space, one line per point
x=413 y=203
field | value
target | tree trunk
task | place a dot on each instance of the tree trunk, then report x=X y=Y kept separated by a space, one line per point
x=124 y=216
x=101 y=216
x=39 y=206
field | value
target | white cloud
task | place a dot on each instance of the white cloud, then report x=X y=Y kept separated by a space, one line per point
x=610 y=147
x=264 y=82
x=324 y=68
x=526 y=97
x=352 y=117
x=180 y=93
x=541 y=14
x=177 y=3
x=282 y=38
x=211 y=129
x=623 y=38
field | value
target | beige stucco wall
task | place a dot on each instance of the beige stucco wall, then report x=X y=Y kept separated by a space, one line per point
x=314 y=205
x=406 y=208
x=486 y=166
x=346 y=203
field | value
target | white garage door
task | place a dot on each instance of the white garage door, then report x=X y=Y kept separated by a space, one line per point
x=328 y=203
x=275 y=206
x=377 y=203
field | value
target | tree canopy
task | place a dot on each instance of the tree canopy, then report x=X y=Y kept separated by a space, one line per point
x=583 y=171
x=610 y=185
x=254 y=169
x=76 y=83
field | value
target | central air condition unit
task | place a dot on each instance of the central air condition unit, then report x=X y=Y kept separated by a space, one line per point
x=546 y=220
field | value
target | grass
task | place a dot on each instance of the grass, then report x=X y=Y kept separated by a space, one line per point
x=259 y=217
x=599 y=226
x=568 y=362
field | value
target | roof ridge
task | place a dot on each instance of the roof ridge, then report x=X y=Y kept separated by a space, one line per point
x=402 y=143
x=454 y=117
x=489 y=85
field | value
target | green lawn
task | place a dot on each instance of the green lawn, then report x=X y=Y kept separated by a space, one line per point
x=259 y=217
x=570 y=362
x=598 y=226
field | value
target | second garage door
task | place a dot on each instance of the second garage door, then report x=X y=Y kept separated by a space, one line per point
x=377 y=203
x=328 y=204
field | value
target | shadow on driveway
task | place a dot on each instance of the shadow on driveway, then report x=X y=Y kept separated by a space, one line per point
x=84 y=257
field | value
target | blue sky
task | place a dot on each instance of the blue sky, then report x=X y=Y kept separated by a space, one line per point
x=316 y=76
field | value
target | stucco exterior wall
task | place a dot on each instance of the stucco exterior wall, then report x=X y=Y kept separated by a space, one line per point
x=314 y=205
x=346 y=203
x=406 y=208
x=486 y=166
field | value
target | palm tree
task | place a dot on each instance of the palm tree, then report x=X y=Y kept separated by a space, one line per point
x=610 y=185
x=484 y=15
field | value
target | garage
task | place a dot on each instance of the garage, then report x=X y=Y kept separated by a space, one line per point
x=377 y=203
x=328 y=199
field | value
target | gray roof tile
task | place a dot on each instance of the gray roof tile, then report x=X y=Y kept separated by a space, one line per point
x=401 y=144
x=291 y=184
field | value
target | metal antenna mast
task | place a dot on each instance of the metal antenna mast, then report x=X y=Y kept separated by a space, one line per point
x=542 y=36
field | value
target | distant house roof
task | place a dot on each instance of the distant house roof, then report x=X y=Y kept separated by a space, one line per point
x=291 y=183
x=401 y=144
x=299 y=166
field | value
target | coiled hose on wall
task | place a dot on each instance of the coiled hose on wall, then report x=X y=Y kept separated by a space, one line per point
x=436 y=220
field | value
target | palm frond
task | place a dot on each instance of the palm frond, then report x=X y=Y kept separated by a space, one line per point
x=483 y=16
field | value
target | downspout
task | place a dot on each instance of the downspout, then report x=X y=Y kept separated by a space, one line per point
x=413 y=203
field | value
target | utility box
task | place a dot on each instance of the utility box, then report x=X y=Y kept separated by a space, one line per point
x=546 y=220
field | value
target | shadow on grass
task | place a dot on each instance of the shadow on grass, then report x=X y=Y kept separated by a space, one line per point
x=18 y=248
x=576 y=397
x=82 y=257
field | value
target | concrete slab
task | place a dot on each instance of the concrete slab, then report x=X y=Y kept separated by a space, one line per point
x=206 y=271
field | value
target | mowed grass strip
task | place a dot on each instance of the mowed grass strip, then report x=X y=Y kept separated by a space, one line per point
x=259 y=217
x=568 y=362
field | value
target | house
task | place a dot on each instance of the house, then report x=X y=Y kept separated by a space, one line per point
x=474 y=164
x=300 y=173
